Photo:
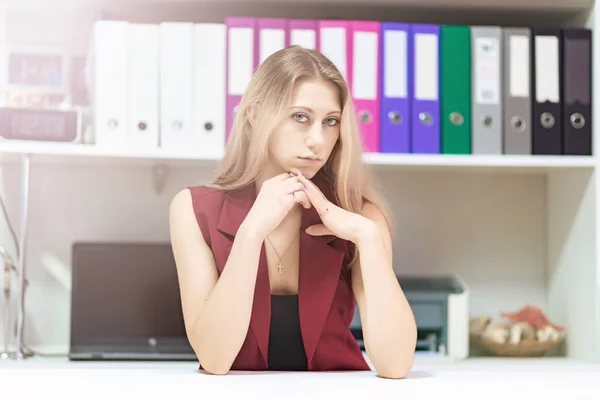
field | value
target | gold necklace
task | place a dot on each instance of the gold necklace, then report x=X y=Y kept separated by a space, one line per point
x=280 y=263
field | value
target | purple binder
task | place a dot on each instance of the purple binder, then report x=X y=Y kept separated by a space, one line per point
x=233 y=99
x=395 y=117
x=425 y=126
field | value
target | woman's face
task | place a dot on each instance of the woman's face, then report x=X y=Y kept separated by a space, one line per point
x=306 y=136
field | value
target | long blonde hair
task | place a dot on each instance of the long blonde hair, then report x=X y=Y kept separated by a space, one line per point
x=265 y=104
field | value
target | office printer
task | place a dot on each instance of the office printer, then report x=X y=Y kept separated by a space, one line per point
x=440 y=305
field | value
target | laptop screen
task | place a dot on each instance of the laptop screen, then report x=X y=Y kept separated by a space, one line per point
x=125 y=293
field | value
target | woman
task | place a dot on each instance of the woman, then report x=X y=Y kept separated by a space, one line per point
x=272 y=255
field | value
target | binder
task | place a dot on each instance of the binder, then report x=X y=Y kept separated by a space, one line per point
x=272 y=37
x=487 y=108
x=108 y=82
x=577 y=87
x=241 y=61
x=395 y=92
x=517 y=95
x=455 y=80
x=303 y=33
x=176 y=89
x=365 y=81
x=336 y=44
x=546 y=50
x=143 y=87
x=425 y=118
x=209 y=90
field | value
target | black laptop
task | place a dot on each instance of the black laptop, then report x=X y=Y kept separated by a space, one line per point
x=125 y=303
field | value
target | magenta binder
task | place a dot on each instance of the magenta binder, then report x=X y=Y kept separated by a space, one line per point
x=302 y=25
x=367 y=106
x=333 y=50
x=271 y=23
x=395 y=120
x=233 y=99
x=425 y=115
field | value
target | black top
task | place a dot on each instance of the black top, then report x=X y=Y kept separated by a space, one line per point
x=286 y=348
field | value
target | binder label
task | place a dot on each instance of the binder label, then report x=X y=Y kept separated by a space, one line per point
x=487 y=70
x=333 y=46
x=577 y=86
x=271 y=40
x=546 y=69
x=365 y=65
x=519 y=66
x=306 y=38
x=241 y=59
x=426 y=66
x=395 y=63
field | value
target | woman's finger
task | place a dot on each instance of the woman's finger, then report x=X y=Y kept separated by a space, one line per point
x=294 y=187
x=290 y=178
x=283 y=176
x=315 y=196
x=301 y=198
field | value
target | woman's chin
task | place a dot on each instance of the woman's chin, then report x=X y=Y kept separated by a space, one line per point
x=308 y=173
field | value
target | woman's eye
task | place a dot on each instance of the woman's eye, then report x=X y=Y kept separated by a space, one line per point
x=300 y=117
x=332 y=121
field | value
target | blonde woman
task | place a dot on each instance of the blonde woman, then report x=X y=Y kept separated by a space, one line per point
x=273 y=254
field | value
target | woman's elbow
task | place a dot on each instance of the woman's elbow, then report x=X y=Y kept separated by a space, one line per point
x=212 y=362
x=215 y=367
x=399 y=371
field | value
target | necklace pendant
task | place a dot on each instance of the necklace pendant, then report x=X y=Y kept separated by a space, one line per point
x=279 y=268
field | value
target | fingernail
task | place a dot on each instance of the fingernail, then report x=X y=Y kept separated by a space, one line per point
x=300 y=173
x=306 y=186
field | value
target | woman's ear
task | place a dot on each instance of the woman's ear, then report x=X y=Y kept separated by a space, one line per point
x=252 y=113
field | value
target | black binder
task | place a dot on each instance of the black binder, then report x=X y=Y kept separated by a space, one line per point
x=577 y=91
x=546 y=91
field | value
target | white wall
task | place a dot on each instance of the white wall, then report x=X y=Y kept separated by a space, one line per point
x=493 y=236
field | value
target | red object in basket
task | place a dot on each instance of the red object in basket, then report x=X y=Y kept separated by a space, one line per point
x=533 y=316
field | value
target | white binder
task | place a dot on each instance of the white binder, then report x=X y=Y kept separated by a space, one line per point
x=107 y=83
x=176 y=89
x=143 y=87
x=210 y=44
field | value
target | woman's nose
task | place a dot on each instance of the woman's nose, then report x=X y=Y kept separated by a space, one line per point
x=315 y=135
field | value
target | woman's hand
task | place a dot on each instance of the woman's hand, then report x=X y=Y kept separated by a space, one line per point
x=336 y=221
x=276 y=198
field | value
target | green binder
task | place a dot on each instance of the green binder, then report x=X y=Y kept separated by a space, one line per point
x=455 y=96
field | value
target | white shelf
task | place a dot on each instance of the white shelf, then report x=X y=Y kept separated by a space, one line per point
x=477 y=4
x=513 y=5
x=67 y=153
x=80 y=153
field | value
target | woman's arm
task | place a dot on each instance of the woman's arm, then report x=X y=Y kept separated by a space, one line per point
x=216 y=322
x=388 y=324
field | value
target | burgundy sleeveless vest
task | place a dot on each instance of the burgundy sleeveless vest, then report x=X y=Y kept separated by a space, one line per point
x=326 y=301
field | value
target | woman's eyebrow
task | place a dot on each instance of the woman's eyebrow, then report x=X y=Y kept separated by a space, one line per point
x=310 y=110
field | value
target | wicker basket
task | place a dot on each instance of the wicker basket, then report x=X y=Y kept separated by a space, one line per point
x=526 y=348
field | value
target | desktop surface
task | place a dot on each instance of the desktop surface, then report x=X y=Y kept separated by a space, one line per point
x=431 y=377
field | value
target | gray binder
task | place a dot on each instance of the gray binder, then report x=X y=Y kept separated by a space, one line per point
x=517 y=90
x=486 y=47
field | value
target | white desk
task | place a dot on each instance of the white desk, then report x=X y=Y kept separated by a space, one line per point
x=481 y=379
